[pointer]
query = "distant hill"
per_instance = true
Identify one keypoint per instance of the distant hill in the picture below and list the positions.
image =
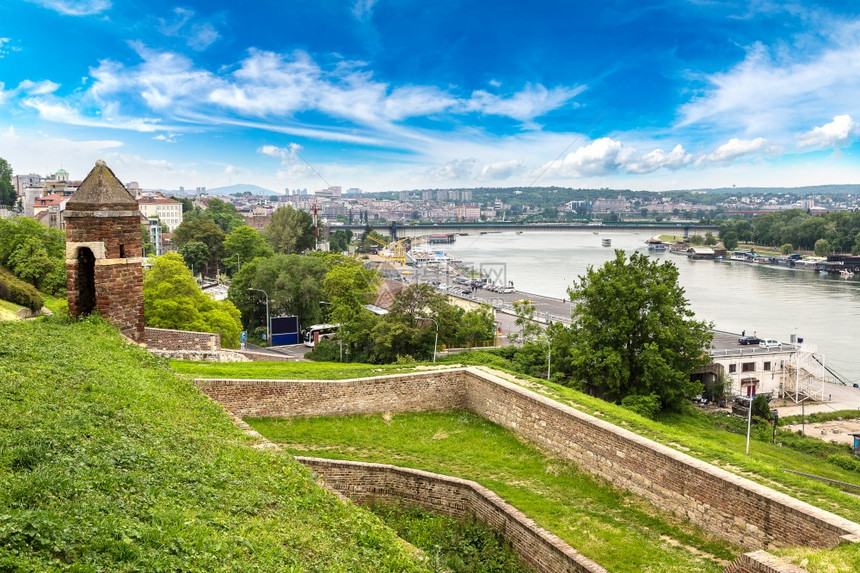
(242, 188)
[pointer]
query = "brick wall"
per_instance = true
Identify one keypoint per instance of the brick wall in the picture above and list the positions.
(166, 339)
(761, 562)
(455, 497)
(727, 505)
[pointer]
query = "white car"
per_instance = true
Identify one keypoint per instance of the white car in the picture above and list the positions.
(770, 343)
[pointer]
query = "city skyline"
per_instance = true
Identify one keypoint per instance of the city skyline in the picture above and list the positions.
(386, 95)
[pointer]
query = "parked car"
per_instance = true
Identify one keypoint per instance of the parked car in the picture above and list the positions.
(748, 340)
(770, 343)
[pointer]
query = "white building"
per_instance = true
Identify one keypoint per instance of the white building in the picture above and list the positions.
(168, 211)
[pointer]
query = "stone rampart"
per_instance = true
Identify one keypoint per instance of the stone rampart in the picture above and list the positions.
(363, 482)
(166, 339)
(727, 505)
(761, 562)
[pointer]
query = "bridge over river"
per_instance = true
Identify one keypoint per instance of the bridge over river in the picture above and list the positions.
(400, 231)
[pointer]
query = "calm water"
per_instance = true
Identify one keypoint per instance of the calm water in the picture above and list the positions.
(774, 302)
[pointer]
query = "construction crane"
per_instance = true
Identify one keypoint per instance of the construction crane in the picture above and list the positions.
(393, 251)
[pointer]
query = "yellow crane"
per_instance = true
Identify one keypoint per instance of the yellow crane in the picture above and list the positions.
(393, 251)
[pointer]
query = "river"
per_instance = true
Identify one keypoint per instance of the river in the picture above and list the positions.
(773, 302)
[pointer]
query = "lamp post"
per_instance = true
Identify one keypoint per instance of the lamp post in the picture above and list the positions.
(436, 341)
(268, 326)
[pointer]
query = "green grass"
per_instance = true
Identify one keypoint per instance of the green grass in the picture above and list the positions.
(616, 529)
(454, 545)
(283, 370)
(110, 462)
(9, 310)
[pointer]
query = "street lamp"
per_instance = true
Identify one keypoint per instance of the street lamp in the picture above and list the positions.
(436, 341)
(268, 326)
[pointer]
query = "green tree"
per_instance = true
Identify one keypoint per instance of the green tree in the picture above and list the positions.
(710, 240)
(173, 299)
(339, 240)
(529, 328)
(786, 249)
(28, 239)
(146, 239)
(634, 333)
(290, 231)
(242, 245)
(7, 190)
(822, 248)
(196, 255)
(205, 232)
(761, 408)
(730, 239)
(475, 326)
(223, 214)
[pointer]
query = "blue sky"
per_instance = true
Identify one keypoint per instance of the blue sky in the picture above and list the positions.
(405, 94)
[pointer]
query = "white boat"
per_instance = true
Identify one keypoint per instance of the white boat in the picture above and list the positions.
(607, 242)
(845, 273)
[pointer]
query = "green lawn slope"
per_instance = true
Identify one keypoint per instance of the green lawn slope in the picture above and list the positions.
(111, 462)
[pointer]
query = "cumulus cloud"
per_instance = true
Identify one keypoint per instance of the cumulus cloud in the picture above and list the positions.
(456, 170)
(602, 156)
(838, 133)
(735, 148)
(285, 154)
(76, 7)
(654, 160)
(501, 170)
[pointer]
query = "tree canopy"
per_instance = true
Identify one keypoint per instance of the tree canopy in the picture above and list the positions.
(34, 253)
(290, 231)
(173, 299)
(7, 190)
(242, 245)
(633, 331)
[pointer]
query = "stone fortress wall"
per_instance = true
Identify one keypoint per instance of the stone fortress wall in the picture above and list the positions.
(727, 505)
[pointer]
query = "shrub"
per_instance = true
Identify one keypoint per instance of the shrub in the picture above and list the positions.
(15, 290)
(761, 408)
(325, 351)
(850, 463)
(646, 406)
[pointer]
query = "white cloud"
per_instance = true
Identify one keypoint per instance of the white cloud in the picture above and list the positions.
(838, 133)
(735, 148)
(654, 160)
(455, 170)
(38, 88)
(532, 102)
(5, 47)
(287, 155)
(76, 7)
(198, 35)
(599, 157)
(61, 112)
(776, 88)
(363, 9)
(501, 170)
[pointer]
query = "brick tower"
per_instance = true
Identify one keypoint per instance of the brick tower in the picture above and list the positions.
(103, 252)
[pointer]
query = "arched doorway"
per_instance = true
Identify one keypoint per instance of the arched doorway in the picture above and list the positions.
(86, 281)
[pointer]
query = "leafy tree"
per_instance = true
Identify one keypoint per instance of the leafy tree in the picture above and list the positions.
(339, 240)
(202, 231)
(730, 239)
(529, 328)
(822, 248)
(290, 231)
(146, 239)
(196, 254)
(7, 190)
(187, 204)
(634, 333)
(173, 299)
(761, 408)
(223, 214)
(786, 249)
(475, 326)
(243, 245)
(30, 262)
(25, 244)
(710, 240)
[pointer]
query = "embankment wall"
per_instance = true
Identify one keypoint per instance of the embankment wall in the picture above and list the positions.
(363, 483)
(727, 505)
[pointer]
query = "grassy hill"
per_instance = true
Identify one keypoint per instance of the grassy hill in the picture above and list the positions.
(111, 462)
